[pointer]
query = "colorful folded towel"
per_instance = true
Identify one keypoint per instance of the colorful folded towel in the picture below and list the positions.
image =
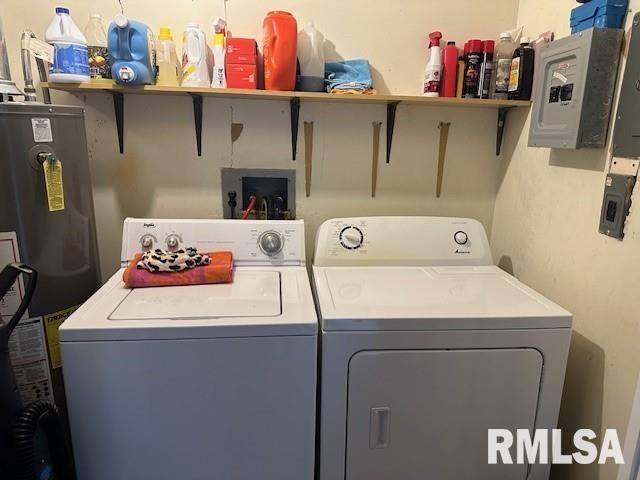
(219, 270)
(348, 75)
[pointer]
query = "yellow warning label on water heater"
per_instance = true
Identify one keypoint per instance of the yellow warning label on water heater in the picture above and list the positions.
(53, 180)
(52, 323)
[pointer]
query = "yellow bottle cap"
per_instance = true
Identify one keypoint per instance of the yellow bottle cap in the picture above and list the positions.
(165, 33)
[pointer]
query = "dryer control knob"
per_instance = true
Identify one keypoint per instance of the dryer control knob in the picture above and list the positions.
(461, 237)
(147, 242)
(351, 237)
(271, 243)
(173, 242)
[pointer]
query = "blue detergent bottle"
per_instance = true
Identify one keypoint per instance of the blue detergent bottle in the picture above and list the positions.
(132, 50)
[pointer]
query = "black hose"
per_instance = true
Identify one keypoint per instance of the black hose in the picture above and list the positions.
(44, 416)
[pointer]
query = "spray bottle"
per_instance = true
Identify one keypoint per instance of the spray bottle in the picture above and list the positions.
(433, 70)
(219, 79)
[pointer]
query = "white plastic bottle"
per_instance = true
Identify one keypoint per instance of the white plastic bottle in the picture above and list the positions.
(169, 69)
(311, 58)
(433, 70)
(195, 70)
(71, 56)
(502, 59)
(219, 77)
(96, 35)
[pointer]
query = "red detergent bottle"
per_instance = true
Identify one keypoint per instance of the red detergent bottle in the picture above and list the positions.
(279, 50)
(449, 70)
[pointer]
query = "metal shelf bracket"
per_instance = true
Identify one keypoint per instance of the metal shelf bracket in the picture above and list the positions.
(502, 121)
(391, 123)
(118, 106)
(295, 120)
(197, 117)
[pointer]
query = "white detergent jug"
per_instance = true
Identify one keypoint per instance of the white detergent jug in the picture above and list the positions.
(71, 58)
(195, 66)
(311, 58)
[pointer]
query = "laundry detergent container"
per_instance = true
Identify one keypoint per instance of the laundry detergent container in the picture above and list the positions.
(279, 50)
(600, 14)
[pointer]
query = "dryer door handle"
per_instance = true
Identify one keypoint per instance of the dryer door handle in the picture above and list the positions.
(380, 427)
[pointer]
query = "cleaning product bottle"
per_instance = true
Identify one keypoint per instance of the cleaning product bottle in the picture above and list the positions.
(195, 71)
(462, 68)
(449, 70)
(71, 57)
(96, 35)
(219, 77)
(472, 70)
(486, 72)
(311, 58)
(168, 65)
(503, 58)
(433, 70)
(133, 52)
(279, 50)
(521, 76)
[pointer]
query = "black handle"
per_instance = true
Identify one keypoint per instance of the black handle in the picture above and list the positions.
(8, 277)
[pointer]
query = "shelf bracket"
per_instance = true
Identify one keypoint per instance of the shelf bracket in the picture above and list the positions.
(502, 121)
(391, 123)
(295, 120)
(118, 106)
(197, 117)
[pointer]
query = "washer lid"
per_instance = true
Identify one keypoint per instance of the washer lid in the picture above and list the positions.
(252, 294)
(261, 302)
(435, 298)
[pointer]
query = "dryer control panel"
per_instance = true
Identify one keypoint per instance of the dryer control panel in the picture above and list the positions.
(252, 242)
(424, 241)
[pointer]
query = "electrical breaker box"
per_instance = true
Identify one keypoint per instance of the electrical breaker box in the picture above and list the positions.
(574, 90)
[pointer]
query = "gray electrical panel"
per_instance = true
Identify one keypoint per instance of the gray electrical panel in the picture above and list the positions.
(626, 134)
(574, 90)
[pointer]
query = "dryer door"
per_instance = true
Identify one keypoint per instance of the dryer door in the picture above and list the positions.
(424, 414)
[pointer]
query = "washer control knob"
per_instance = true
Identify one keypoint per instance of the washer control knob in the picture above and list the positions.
(173, 242)
(271, 243)
(147, 242)
(461, 238)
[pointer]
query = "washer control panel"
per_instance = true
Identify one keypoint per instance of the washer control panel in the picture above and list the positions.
(252, 242)
(402, 241)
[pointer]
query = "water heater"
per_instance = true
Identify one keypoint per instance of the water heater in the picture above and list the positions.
(46, 221)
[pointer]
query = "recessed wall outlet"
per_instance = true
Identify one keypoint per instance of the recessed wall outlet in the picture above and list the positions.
(273, 190)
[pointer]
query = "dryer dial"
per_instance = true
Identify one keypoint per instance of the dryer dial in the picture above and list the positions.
(351, 237)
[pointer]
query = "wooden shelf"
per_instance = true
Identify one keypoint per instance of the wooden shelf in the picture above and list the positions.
(278, 95)
(294, 98)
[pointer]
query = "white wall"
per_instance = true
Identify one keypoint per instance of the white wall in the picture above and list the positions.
(160, 174)
(546, 222)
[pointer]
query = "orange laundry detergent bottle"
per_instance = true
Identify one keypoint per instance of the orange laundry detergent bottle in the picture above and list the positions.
(279, 50)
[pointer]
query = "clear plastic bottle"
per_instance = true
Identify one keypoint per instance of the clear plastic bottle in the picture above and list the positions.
(503, 57)
(99, 64)
(169, 68)
(71, 57)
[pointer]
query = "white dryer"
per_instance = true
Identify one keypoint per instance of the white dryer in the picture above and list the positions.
(198, 382)
(425, 346)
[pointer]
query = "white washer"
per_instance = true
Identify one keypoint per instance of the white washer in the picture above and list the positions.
(425, 346)
(198, 382)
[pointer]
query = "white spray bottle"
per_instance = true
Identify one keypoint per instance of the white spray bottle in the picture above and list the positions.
(219, 79)
(433, 70)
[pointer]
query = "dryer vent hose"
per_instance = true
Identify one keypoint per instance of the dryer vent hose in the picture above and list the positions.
(41, 417)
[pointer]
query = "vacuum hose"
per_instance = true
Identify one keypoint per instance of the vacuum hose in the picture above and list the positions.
(35, 420)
